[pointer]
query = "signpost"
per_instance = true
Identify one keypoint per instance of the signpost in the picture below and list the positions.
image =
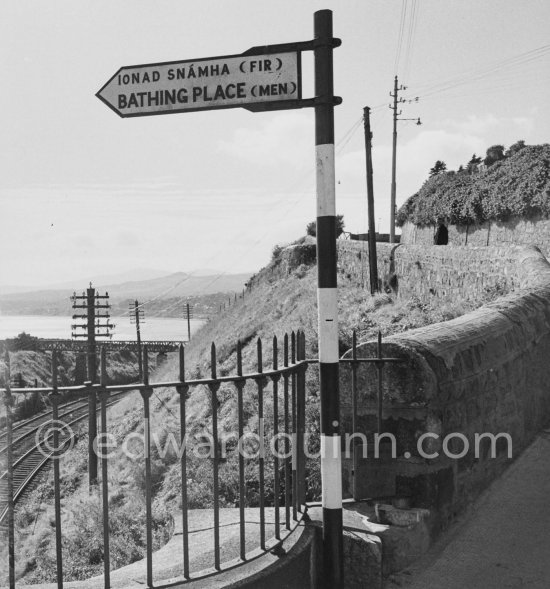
(263, 79)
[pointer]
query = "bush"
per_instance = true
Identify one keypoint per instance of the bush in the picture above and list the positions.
(83, 540)
(311, 228)
(23, 341)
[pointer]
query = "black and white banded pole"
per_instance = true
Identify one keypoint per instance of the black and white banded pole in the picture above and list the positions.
(327, 299)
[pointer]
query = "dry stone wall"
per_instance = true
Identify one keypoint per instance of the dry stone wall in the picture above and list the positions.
(441, 271)
(525, 232)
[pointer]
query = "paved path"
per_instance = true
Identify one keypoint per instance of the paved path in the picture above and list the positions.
(504, 543)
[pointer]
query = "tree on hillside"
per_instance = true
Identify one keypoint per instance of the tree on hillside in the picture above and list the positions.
(311, 228)
(438, 168)
(23, 341)
(515, 148)
(495, 153)
(473, 163)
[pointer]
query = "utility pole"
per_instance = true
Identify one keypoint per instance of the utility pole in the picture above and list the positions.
(396, 89)
(189, 315)
(137, 317)
(373, 262)
(396, 100)
(96, 313)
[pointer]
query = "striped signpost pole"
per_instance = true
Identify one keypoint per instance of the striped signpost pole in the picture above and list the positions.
(327, 300)
(264, 78)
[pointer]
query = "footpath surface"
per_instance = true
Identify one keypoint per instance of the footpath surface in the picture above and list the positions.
(504, 542)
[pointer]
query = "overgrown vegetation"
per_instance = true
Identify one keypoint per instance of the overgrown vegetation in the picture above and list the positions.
(515, 183)
(82, 524)
(23, 341)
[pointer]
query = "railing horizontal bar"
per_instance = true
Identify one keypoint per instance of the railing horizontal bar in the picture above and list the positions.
(169, 384)
(196, 382)
(204, 381)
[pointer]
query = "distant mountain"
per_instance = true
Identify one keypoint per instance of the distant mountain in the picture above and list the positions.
(98, 281)
(10, 289)
(179, 284)
(127, 276)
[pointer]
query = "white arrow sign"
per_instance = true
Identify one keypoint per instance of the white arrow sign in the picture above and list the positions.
(257, 82)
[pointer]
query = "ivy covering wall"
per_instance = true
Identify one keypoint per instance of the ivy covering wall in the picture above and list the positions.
(516, 186)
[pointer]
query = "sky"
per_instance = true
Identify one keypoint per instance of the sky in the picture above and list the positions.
(84, 192)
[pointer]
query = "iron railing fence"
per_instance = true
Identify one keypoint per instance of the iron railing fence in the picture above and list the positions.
(277, 396)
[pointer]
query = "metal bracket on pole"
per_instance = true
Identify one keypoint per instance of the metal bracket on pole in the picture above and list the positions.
(329, 100)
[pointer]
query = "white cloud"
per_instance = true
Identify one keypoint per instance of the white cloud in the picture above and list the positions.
(286, 138)
(474, 124)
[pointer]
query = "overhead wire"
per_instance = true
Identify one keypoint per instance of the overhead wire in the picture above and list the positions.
(476, 74)
(400, 35)
(413, 20)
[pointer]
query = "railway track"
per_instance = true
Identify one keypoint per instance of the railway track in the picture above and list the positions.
(32, 446)
(23, 426)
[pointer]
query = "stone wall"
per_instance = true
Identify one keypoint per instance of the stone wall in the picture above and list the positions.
(411, 270)
(441, 271)
(534, 231)
(487, 372)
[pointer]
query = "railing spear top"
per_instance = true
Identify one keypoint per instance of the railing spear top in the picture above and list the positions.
(145, 366)
(103, 366)
(354, 345)
(239, 358)
(260, 360)
(213, 360)
(8, 364)
(7, 384)
(380, 344)
(293, 347)
(275, 354)
(54, 370)
(285, 350)
(182, 362)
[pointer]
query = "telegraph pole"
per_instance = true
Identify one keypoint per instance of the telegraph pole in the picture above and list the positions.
(396, 100)
(93, 326)
(396, 90)
(136, 315)
(373, 262)
(189, 315)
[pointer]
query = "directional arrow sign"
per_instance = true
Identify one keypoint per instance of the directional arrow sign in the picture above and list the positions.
(266, 81)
